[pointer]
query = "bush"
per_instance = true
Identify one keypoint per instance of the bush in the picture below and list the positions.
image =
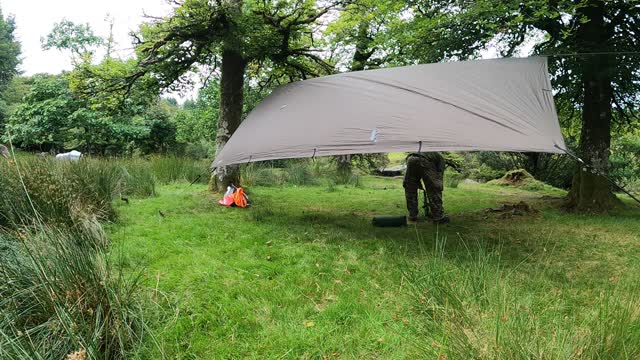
(299, 173)
(138, 178)
(452, 178)
(60, 293)
(259, 174)
(625, 161)
(553, 169)
(199, 150)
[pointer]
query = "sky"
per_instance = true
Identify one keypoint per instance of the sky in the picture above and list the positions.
(36, 18)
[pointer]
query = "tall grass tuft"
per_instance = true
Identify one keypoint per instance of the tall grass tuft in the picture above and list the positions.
(473, 307)
(168, 169)
(138, 178)
(59, 294)
(299, 173)
(60, 193)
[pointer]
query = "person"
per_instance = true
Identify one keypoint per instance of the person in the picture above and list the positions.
(427, 167)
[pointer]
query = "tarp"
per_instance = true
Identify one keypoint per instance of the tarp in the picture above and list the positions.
(494, 105)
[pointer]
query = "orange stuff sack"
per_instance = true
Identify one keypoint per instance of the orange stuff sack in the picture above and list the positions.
(239, 198)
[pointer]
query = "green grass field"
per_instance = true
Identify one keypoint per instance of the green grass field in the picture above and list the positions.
(303, 274)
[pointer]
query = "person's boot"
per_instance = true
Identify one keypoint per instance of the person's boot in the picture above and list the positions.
(444, 219)
(412, 220)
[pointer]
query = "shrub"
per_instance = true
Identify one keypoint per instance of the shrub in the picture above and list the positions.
(260, 174)
(138, 178)
(452, 179)
(553, 169)
(298, 173)
(199, 150)
(625, 161)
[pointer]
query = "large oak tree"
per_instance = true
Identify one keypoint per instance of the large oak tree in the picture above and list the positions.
(593, 48)
(231, 38)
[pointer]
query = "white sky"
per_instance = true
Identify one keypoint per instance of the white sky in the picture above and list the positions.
(35, 19)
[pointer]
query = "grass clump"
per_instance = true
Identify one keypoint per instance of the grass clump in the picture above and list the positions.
(452, 179)
(60, 294)
(520, 179)
(61, 193)
(168, 169)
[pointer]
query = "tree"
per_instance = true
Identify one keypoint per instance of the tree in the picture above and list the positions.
(79, 39)
(359, 40)
(232, 37)
(9, 61)
(39, 121)
(53, 118)
(602, 78)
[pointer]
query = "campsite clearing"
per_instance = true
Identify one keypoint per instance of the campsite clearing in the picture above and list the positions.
(303, 274)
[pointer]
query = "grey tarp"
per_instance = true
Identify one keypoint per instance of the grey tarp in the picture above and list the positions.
(499, 105)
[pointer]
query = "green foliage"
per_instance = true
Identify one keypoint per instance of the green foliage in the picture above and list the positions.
(9, 50)
(161, 131)
(452, 178)
(77, 38)
(362, 37)
(60, 293)
(9, 60)
(625, 161)
(52, 117)
(555, 170)
(41, 120)
(168, 169)
(197, 120)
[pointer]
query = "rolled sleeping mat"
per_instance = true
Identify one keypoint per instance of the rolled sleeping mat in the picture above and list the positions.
(389, 221)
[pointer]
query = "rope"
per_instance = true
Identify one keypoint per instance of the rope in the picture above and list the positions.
(596, 172)
(593, 53)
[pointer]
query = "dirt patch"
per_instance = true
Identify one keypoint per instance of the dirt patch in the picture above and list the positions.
(507, 211)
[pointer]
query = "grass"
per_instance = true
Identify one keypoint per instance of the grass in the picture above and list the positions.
(303, 274)
(61, 296)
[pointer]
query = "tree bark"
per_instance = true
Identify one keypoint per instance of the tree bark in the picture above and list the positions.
(343, 168)
(362, 54)
(230, 116)
(589, 191)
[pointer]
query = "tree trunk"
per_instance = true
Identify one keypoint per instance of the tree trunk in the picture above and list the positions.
(343, 168)
(591, 192)
(361, 55)
(231, 103)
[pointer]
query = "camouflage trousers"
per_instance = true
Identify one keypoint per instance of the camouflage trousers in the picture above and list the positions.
(432, 173)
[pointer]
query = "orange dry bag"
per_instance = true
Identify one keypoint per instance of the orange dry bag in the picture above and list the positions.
(239, 198)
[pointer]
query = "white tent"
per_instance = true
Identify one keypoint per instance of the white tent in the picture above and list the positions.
(499, 105)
